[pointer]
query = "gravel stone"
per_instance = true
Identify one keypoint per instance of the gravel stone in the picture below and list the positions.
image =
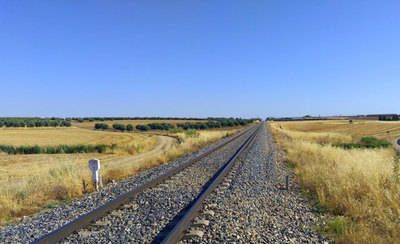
(252, 209)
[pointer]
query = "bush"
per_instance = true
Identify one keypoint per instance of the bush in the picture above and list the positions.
(66, 123)
(214, 123)
(192, 133)
(211, 123)
(338, 225)
(372, 142)
(143, 127)
(101, 126)
(161, 126)
(28, 150)
(177, 130)
(8, 149)
(366, 142)
(129, 127)
(101, 148)
(54, 149)
(155, 126)
(120, 127)
(33, 122)
(389, 117)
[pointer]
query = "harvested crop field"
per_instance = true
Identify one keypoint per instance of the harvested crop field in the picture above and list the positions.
(389, 130)
(68, 136)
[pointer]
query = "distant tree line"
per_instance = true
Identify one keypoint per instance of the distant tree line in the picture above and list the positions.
(101, 148)
(389, 117)
(210, 124)
(306, 117)
(91, 119)
(220, 123)
(217, 123)
(34, 122)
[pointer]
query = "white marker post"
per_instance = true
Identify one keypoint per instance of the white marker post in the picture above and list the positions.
(94, 166)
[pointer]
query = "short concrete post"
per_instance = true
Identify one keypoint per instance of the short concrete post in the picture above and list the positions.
(94, 166)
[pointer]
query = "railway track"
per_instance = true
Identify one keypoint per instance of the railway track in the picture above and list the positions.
(162, 209)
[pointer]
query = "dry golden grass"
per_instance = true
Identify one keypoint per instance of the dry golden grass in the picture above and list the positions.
(358, 184)
(90, 125)
(389, 130)
(30, 182)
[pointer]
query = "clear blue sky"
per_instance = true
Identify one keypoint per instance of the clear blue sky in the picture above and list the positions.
(199, 58)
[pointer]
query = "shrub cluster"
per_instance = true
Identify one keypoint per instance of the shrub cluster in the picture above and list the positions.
(389, 117)
(143, 127)
(161, 126)
(210, 124)
(91, 119)
(366, 142)
(192, 133)
(217, 123)
(155, 126)
(129, 127)
(34, 122)
(101, 126)
(120, 127)
(101, 148)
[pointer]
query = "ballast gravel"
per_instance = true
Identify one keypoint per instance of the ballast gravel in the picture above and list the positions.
(253, 205)
(143, 219)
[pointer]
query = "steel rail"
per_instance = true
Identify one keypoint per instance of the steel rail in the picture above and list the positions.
(101, 211)
(177, 232)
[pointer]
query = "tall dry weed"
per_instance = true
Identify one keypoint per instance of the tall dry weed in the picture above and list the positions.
(357, 184)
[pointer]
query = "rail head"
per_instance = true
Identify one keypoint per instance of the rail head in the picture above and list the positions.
(177, 232)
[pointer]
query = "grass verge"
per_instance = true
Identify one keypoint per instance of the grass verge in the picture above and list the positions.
(358, 186)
